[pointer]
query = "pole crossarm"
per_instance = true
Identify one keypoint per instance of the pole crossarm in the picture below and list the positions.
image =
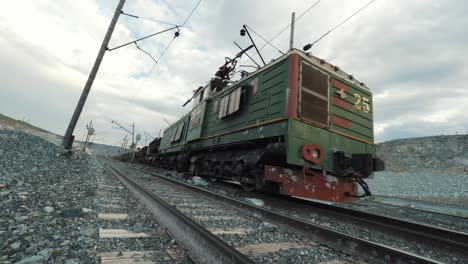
(135, 41)
(122, 127)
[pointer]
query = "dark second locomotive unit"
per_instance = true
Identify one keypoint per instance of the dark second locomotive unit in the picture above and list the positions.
(299, 126)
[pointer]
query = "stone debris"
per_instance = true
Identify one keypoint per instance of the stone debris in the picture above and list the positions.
(89, 232)
(425, 185)
(255, 201)
(438, 153)
(72, 212)
(36, 181)
(49, 209)
(267, 227)
(41, 257)
(198, 181)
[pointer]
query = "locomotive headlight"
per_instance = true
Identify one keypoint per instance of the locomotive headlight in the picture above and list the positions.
(316, 154)
(312, 153)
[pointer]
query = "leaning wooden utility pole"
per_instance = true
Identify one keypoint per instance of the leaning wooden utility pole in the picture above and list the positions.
(68, 137)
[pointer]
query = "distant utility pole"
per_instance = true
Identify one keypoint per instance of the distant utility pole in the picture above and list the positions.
(68, 137)
(131, 133)
(146, 137)
(89, 133)
(291, 38)
(124, 143)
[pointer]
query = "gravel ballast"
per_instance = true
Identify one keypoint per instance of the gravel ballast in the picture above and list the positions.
(49, 205)
(301, 211)
(425, 185)
(211, 213)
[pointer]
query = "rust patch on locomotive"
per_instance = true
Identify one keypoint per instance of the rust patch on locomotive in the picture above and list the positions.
(341, 103)
(341, 122)
(340, 85)
(306, 184)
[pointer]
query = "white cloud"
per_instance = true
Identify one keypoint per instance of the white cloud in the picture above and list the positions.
(409, 53)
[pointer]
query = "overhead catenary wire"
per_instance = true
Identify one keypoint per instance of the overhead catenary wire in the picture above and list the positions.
(266, 41)
(191, 13)
(246, 54)
(165, 49)
(288, 26)
(138, 47)
(152, 68)
(308, 46)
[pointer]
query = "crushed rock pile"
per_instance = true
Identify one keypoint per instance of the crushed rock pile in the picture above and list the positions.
(425, 185)
(42, 193)
(441, 153)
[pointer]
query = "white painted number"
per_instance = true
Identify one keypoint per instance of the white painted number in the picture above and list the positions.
(342, 94)
(362, 103)
(365, 103)
(357, 104)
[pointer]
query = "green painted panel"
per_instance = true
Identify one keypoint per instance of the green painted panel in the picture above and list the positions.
(263, 131)
(354, 132)
(351, 116)
(302, 133)
(268, 103)
(350, 99)
(167, 144)
(196, 122)
(354, 89)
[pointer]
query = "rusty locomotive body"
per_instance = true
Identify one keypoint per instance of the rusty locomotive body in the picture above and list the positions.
(299, 126)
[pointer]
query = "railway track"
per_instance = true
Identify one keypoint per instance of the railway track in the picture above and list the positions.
(240, 230)
(352, 245)
(433, 242)
(440, 240)
(423, 206)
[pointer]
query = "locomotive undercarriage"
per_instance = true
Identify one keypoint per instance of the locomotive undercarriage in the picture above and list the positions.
(243, 163)
(261, 165)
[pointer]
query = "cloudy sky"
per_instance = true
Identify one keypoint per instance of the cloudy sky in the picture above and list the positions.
(412, 54)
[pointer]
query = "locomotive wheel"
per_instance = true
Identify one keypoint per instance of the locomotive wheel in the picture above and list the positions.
(216, 171)
(248, 187)
(247, 181)
(213, 178)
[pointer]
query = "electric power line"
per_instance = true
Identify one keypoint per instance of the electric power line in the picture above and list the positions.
(191, 13)
(152, 68)
(308, 46)
(138, 47)
(288, 26)
(165, 49)
(266, 41)
(170, 43)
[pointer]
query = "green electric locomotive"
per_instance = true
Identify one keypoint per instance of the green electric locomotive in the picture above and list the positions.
(299, 126)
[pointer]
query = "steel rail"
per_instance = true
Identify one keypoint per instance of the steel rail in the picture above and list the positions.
(202, 246)
(451, 240)
(461, 217)
(370, 251)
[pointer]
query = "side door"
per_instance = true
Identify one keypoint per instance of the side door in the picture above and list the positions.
(196, 121)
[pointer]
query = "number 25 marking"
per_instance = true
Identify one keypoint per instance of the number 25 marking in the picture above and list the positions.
(365, 103)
